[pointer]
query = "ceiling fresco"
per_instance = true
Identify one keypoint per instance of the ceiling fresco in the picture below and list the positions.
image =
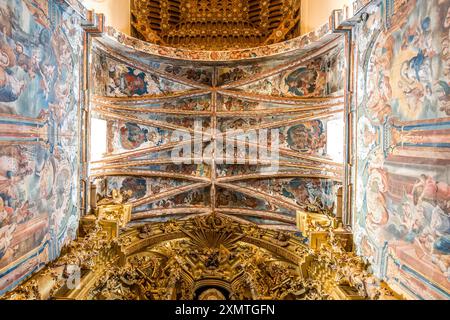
(250, 138)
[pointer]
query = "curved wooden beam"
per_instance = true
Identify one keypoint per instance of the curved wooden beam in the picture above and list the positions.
(275, 227)
(283, 163)
(266, 215)
(169, 193)
(154, 110)
(298, 155)
(277, 175)
(335, 170)
(118, 116)
(240, 220)
(170, 211)
(297, 101)
(251, 192)
(206, 160)
(187, 217)
(274, 111)
(283, 123)
(143, 163)
(293, 154)
(145, 151)
(182, 217)
(150, 174)
(150, 99)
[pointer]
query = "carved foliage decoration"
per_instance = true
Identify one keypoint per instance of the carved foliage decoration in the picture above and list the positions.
(173, 260)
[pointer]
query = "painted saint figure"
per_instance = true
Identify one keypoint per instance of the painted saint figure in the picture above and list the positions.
(130, 83)
(427, 189)
(132, 136)
(307, 138)
(302, 82)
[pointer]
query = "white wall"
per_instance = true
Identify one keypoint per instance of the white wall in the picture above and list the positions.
(117, 12)
(315, 13)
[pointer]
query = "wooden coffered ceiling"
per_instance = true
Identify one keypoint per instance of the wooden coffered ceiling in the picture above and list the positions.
(215, 24)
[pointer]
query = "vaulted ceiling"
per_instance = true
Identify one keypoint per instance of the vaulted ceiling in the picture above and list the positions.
(215, 24)
(145, 99)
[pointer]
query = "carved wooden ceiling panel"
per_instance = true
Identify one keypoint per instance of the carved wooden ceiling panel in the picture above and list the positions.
(215, 24)
(156, 108)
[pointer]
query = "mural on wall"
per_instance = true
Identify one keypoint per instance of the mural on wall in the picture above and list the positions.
(40, 52)
(403, 193)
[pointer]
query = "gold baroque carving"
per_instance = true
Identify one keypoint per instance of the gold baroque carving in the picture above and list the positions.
(211, 249)
(215, 24)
